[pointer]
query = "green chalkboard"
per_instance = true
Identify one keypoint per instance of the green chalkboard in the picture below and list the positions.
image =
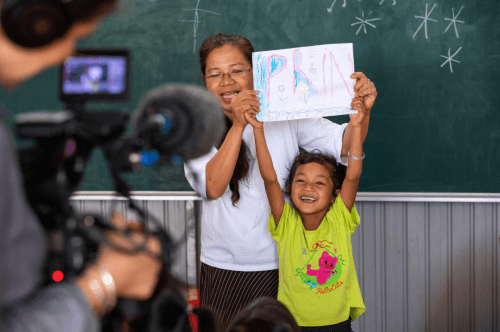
(435, 126)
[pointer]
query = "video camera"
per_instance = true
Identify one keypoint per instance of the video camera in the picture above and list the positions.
(172, 120)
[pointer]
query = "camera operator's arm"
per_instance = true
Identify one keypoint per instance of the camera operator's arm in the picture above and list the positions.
(134, 276)
(24, 305)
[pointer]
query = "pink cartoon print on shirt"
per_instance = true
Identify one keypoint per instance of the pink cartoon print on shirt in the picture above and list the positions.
(326, 264)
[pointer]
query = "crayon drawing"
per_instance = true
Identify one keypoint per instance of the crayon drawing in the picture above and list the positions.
(304, 82)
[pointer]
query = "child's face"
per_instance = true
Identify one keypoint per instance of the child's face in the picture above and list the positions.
(312, 189)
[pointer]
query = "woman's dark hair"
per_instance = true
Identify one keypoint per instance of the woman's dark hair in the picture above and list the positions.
(242, 164)
(337, 170)
(219, 40)
(265, 314)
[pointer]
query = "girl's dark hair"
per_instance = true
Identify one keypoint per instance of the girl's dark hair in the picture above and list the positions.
(265, 314)
(242, 164)
(337, 170)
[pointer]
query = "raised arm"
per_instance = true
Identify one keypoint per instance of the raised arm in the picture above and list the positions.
(353, 173)
(273, 188)
(366, 89)
(220, 168)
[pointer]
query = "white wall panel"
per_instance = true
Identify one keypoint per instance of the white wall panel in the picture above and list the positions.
(425, 262)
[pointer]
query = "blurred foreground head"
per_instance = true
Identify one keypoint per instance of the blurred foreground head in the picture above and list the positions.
(39, 34)
(264, 315)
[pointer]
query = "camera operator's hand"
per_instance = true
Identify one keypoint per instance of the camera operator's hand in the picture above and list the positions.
(135, 275)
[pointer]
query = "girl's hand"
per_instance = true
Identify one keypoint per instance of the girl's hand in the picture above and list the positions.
(364, 88)
(245, 101)
(250, 116)
(359, 105)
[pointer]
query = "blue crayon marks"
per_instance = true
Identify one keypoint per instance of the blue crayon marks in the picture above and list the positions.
(277, 63)
(303, 87)
(260, 81)
(264, 69)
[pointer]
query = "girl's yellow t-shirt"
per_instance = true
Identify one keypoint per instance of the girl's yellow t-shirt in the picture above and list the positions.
(317, 277)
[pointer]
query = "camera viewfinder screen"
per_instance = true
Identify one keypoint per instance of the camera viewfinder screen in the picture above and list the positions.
(84, 75)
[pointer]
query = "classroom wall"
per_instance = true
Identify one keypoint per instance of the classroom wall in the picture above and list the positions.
(425, 262)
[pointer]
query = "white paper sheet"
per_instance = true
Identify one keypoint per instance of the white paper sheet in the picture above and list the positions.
(304, 82)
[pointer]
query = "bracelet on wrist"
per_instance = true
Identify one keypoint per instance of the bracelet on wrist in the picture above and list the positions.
(97, 289)
(109, 284)
(355, 158)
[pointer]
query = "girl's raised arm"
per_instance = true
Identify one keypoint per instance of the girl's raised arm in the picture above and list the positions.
(273, 188)
(353, 173)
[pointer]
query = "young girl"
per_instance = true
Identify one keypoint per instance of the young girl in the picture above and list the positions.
(317, 277)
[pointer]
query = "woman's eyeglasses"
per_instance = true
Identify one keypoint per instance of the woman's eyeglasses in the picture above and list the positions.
(236, 74)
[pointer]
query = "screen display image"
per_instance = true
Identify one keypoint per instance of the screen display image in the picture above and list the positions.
(94, 75)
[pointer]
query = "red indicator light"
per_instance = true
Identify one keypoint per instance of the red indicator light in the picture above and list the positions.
(57, 276)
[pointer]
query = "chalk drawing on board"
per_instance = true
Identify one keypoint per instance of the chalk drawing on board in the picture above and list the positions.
(292, 84)
(381, 2)
(425, 19)
(449, 58)
(454, 21)
(331, 7)
(333, 3)
(196, 21)
(363, 22)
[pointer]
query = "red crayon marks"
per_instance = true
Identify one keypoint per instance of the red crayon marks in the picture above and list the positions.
(297, 61)
(352, 65)
(273, 70)
(324, 79)
(332, 58)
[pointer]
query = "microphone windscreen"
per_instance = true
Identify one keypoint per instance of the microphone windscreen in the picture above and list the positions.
(179, 119)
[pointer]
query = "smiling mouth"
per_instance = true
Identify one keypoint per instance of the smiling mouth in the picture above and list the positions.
(229, 96)
(308, 199)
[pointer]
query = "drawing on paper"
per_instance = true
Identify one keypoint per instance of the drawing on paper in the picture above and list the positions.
(454, 21)
(196, 21)
(305, 82)
(425, 19)
(449, 58)
(363, 22)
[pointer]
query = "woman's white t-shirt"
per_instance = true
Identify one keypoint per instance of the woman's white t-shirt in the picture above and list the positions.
(237, 238)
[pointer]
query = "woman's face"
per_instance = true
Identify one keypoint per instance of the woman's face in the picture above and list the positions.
(226, 60)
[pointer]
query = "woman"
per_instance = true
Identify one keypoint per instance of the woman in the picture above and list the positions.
(239, 259)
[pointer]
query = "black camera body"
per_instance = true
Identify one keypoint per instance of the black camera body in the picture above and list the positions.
(171, 120)
(53, 167)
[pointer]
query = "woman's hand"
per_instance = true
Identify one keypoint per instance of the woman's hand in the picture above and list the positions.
(364, 88)
(244, 102)
(359, 105)
(250, 117)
